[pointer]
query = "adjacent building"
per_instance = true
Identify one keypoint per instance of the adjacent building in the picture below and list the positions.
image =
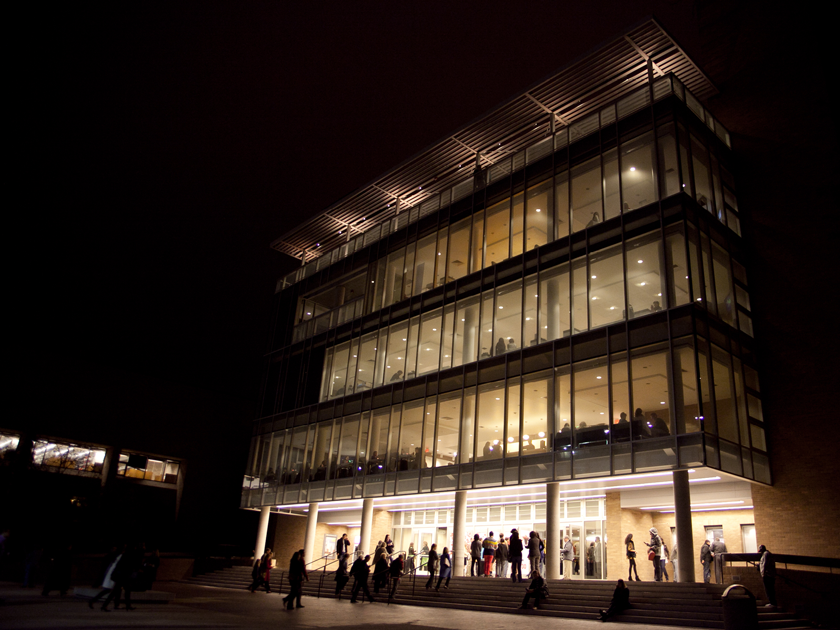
(541, 322)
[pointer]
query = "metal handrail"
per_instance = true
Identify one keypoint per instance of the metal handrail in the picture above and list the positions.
(808, 561)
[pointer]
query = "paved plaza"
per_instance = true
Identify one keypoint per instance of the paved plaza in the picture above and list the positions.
(207, 607)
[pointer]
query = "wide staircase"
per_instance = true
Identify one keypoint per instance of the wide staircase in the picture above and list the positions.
(662, 603)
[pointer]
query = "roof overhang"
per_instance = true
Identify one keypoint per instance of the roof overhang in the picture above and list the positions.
(577, 90)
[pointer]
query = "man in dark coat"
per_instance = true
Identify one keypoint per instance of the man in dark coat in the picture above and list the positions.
(297, 574)
(360, 571)
(515, 556)
(706, 561)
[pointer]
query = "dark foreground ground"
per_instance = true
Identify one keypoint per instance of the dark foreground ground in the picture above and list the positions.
(204, 607)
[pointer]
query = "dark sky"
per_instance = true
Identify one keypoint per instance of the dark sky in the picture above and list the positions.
(176, 140)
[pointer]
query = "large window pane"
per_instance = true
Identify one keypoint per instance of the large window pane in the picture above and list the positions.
(367, 361)
(563, 408)
(424, 263)
(724, 400)
(620, 425)
(394, 278)
(649, 367)
(410, 452)
(408, 272)
(491, 416)
(612, 198)
(529, 323)
(723, 285)
(638, 178)
(517, 225)
(448, 324)
(606, 286)
(381, 357)
(321, 451)
(686, 403)
(669, 181)
(684, 164)
(695, 272)
(586, 194)
(555, 309)
(466, 331)
(459, 247)
(707, 418)
(352, 362)
(411, 352)
(378, 441)
(467, 454)
(489, 346)
(538, 228)
(440, 257)
(430, 332)
(326, 374)
(561, 204)
(338, 379)
(477, 249)
(508, 317)
(645, 275)
(702, 184)
(395, 362)
(580, 303)
(392, 457)
(709, 294)
(537, 413)
(513, 442)
(347, 450)
(718, 190)
(677, 265)
(592, 402)
(498, 233)
(448, 424)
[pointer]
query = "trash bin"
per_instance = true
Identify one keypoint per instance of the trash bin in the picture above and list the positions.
(739, 612)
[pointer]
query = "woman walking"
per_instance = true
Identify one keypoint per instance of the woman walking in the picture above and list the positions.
(445, 568)
(432, 566)
(631, 557)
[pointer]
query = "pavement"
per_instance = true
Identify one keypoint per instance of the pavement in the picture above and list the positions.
(198, 607)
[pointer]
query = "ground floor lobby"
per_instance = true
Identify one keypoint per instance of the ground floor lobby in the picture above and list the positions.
(596, 514)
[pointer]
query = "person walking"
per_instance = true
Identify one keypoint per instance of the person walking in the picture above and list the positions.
(706, 561)
(380, 568)
(445, 569)
(396, 571)
(256, 576)
(389, 544)
(128, 565)
(410, 560)
(107, 581)
(515, 556)
(718, 548)
(489, 546)
(360, 572)
(537, 590)
(654, 553)
(630, 547)
(432, 566)
(341, 576)
(297, 576)
(568, 558)
(475, 556)
(620, 601)
(663, 562)
(502, 554)
(767, 568)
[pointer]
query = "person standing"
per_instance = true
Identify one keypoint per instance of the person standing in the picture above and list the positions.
(655, 547)
(706, 561)
(502, 554)
(630, 547)
(389, 544)
(360, 572)
(675, 561)
(718, 548)
(767, 568)
(568, 557)
(107, 581)
(534, 551)
(475, 556)
(432, 566)
(599, 554)
(342, 547)
(410, 559)
(515, 556)
(489, 546)
(445, 568)
(663, 562)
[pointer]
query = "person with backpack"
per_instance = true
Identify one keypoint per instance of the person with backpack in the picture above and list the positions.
(537, 589)
(515, 556)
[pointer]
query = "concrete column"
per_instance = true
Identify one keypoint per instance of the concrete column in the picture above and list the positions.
(685, 537)
(553, 535)
(459, 532)
(311, 525)
(367, 525)
(262, 532)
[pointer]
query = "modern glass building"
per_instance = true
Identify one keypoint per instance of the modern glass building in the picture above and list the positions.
(542, 321)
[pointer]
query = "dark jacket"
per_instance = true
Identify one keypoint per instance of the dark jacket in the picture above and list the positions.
(502, 552)
(360, 570)
(397, 567)
(620, 598)
(537, 586)
(475, 549)
(515, 545)
(433, 561)
(705, 554)
(445, 565)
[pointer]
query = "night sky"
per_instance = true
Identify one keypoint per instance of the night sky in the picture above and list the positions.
(166, 144)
